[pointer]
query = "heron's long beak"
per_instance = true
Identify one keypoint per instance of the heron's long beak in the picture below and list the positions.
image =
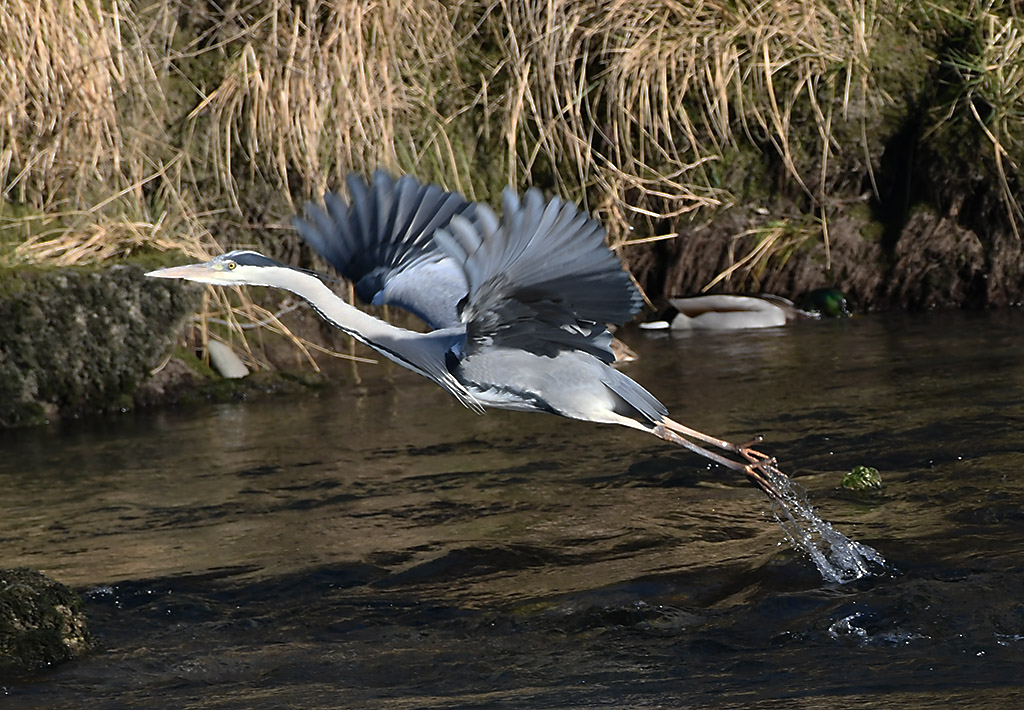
(205, 272)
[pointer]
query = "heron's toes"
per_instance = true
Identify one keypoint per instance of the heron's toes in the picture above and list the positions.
(759, 473)
(755, 457)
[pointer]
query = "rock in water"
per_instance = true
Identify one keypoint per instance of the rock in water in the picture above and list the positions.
(225, 362)
(41, 622)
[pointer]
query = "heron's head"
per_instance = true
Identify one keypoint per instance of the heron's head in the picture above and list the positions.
(236, 268)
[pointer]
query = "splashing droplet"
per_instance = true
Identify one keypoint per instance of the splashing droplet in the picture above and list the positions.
(838, 558)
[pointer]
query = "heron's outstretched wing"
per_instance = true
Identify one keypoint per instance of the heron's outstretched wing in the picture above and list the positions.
(381, 239)
(542, 279)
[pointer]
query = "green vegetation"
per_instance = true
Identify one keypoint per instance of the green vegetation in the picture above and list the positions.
(862, 478)
(42, 622)
(77, 339)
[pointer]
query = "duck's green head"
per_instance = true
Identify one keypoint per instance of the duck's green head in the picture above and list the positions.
(829, 302)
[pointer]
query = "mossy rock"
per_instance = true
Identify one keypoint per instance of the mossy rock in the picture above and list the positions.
(81, 339)
(861, 479)
(41, 622)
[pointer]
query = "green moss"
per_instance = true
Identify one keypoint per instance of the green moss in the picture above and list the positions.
(42, 622)
(871, 230)
(862, 478)
(745, 172)
(194, 363)
(82, 338)
(19, 223)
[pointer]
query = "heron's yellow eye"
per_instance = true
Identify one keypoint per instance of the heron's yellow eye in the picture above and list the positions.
(231, 265)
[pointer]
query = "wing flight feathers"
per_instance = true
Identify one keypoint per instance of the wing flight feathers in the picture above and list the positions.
(541, 278)
(381, 239)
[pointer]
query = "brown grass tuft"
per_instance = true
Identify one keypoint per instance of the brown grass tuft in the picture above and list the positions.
(310, 92)
(644, 98)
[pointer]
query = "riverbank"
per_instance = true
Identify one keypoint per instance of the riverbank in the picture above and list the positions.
(778, 148)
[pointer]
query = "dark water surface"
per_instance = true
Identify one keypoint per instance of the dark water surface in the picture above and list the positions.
(380, 546)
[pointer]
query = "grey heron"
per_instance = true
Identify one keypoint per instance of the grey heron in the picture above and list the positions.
(518, 304)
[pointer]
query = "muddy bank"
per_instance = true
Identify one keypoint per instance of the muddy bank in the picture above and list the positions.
(932, 262)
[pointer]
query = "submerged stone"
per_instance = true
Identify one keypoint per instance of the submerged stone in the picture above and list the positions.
(862, 478)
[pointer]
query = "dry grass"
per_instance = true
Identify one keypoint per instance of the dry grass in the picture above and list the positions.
(60, 68)
(991, 75)
(627, 104)
(774, 242)
(312, 91)
(83, 143)
(644, 97)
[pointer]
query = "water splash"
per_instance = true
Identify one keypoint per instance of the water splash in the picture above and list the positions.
(838, 558)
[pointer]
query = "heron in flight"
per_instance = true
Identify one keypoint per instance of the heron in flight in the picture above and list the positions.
(518, 305)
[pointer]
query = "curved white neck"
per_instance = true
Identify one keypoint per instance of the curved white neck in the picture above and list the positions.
(423, 353)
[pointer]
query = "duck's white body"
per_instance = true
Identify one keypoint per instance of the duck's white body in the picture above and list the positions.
(728, 312)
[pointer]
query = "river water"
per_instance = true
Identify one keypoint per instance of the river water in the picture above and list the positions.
(377, 545)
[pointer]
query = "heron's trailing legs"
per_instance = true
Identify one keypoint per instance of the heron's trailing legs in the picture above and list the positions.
(744, 450)
(758, 467)
(838, 558)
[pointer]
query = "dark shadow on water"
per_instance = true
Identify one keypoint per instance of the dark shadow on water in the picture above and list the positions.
(340, 641)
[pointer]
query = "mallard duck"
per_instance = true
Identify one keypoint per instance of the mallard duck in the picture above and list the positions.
(729, 312)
